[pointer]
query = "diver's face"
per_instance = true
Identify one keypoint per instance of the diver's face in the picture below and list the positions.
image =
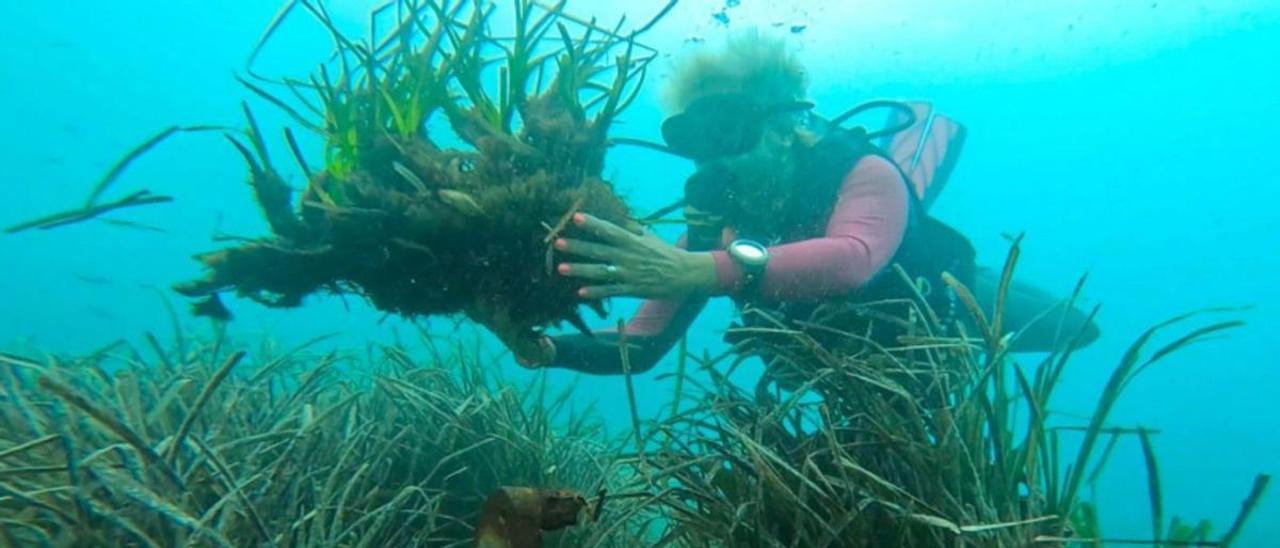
(765, 167)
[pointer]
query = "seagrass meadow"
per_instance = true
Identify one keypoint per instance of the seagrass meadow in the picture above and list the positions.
(454, 152)
(204, 442)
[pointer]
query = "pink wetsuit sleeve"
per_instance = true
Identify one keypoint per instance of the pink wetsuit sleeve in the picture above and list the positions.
(863, 233)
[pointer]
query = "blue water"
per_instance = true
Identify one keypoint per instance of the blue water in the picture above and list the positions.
(1133, 141)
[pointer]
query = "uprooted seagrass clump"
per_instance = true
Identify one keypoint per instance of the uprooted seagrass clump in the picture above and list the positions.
(398, 216)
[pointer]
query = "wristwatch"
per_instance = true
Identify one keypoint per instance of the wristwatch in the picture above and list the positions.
(753, 256)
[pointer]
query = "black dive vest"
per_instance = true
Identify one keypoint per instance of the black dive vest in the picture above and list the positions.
(928, 248)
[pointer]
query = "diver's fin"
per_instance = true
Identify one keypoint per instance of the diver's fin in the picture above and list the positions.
(927, 150)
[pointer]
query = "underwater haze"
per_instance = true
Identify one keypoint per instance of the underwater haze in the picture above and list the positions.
(1132, 141)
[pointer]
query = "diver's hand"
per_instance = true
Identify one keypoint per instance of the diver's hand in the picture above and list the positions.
(540, 353)
(531, 348)
(635, 264)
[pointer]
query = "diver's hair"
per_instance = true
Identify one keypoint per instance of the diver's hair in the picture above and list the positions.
(749, 62)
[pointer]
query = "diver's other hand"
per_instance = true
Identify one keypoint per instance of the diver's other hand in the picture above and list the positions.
(539, 352)
(531, 348)
(635, 264)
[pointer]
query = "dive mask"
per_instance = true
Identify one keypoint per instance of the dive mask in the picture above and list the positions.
(720, 125)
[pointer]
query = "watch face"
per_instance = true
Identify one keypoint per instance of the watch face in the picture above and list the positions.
(749, 253)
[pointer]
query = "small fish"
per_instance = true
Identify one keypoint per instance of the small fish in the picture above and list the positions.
(135, 225)
(92, 279)
(721, 16)
(211, 307)
(460, 201)
(456, 199)
(409, 176)
(797, 29)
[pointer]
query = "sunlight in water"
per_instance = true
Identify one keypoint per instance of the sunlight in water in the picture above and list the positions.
(977, 37)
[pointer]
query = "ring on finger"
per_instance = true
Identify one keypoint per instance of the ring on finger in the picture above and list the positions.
(611, 270)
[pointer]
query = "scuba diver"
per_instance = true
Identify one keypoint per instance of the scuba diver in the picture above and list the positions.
(787, 213)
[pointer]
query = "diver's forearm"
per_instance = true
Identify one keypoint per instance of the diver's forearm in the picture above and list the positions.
(602, 354)
(651, 333)
(862, 234)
